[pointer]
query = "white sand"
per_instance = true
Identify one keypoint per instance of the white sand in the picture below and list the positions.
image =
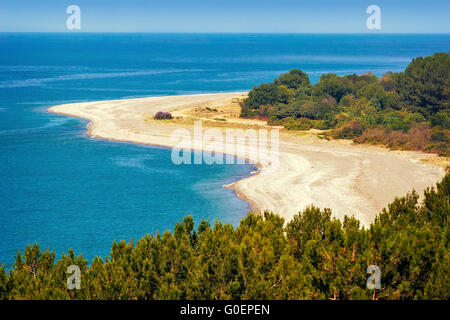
(350, 179)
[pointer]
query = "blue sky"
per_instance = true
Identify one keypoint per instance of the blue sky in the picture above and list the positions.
(274, 16)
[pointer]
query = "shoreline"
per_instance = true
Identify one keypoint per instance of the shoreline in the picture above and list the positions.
(350, 179)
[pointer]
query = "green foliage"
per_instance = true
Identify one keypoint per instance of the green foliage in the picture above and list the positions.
(332, 85)
(439, 136)
(387, 81)
(350, 130)
(287, 86)
(415, 240)
(3, 283)
(441, 119)
(315, 110)
(388, 110)
(262, 96)
(360, 81)
(318, 110)
(379, 97)
(296, 80)
(425, 85)
(313, 256)
(419, 137)
(401, 120)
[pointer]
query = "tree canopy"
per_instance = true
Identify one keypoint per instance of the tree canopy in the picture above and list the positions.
(406, 110)
(425, 84)
(313, 256)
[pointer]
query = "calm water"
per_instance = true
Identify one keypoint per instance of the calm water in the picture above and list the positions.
(63, 189)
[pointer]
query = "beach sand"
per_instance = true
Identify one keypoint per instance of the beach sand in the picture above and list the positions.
(350, 179)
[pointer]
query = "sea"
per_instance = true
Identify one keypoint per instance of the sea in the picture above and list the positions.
(63, 189)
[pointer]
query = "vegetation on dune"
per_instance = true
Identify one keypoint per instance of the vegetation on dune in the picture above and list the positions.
(163, 115)
(406, 110)
(314, 256)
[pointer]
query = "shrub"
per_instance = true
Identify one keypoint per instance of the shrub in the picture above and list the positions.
(264, 94)
(439, 136)
(323, 124)
(298, 124)
(420, 137)
(401, 120)
(3, 283)
(387, 81)
(406, 110)
(442, 119)
(424, 84)
(313, 256)
(162, 115)
(332, 85)
(349, 130)
(296, 80)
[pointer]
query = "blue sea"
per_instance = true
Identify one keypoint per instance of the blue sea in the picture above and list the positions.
(63, 189)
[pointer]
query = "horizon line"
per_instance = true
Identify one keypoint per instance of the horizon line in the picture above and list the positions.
(225, 32)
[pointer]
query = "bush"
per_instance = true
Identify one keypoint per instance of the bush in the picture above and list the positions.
(3, 283)
(162, 115)
(262, 95)
(313, 256)
(297, 124)
(439, 136)
(378, 97)
(401, 120)
(395, 108)
(442, 119)
(387, 81)
(332, 85)
(349, 130)
(323, 124)
(318, 110)
(420, 137)
(295, 79)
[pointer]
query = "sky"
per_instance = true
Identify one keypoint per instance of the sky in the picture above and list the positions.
(234, 16)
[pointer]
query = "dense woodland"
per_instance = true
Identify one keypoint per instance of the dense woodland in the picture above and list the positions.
(406, 110)
(314, 256)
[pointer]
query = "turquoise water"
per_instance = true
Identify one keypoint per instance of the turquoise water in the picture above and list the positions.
(65, 190)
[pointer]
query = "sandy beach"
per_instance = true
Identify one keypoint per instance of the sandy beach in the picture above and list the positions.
(350, 179)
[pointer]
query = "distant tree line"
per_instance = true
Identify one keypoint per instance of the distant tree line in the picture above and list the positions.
(314, 256)
(405, 110)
